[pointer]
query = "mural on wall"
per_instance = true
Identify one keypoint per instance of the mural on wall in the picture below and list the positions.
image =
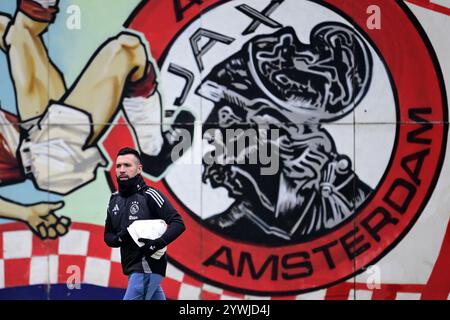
(303, 145)
(310, 84)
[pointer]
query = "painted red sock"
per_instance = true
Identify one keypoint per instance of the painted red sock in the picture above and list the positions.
(144, 87)
(37, 12)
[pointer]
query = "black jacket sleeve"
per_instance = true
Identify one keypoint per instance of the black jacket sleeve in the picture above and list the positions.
(110, 237)
(158, 203)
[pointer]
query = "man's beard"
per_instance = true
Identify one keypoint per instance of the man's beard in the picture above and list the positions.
(130, 185)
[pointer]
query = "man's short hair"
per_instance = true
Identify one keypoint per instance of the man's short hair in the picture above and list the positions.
(128, 150)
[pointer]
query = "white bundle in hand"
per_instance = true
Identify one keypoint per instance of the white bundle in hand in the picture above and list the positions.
(148, 229)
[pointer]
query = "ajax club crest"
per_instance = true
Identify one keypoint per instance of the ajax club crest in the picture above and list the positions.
(336, 129)
(134, 209)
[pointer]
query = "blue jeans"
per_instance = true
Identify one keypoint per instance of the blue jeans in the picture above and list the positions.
(144, 286)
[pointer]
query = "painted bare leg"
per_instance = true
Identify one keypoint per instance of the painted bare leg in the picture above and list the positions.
(35, 77)
(121, 69)
(99, 90)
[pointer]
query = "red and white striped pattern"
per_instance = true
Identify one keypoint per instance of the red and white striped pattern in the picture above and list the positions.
(27, 260)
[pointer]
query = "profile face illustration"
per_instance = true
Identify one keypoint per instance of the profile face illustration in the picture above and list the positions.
(276, 81)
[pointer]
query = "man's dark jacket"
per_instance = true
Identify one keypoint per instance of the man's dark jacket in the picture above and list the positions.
(142, 203)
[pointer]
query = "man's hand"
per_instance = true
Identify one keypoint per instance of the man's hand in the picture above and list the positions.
(124, 235)
(151, 246)
(44, 223)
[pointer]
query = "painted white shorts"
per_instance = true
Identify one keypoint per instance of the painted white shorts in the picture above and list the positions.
(54, 151)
